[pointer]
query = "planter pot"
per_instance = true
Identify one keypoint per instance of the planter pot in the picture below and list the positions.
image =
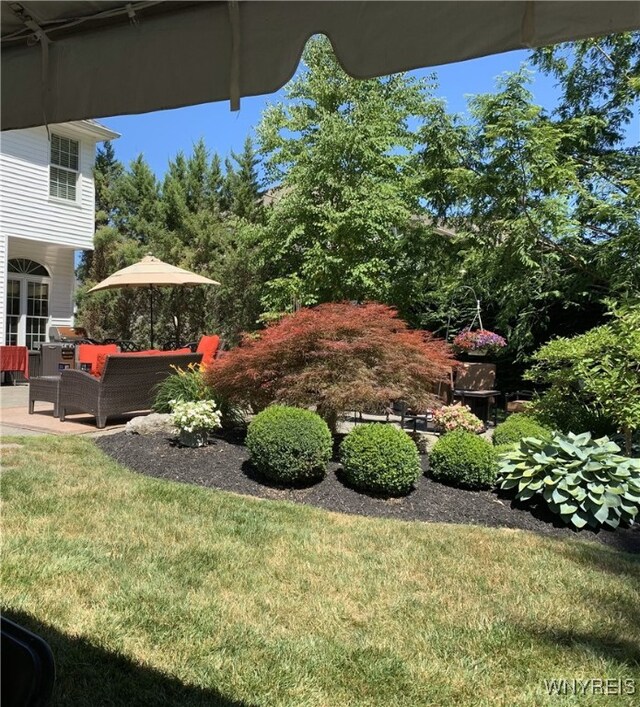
(193, 439)
(478, 352)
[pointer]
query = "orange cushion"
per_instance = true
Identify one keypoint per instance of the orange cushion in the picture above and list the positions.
(208, 347)
(102, 358)
(156, 352)
(89, 355)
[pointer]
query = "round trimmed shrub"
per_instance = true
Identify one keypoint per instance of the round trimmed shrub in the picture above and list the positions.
(289, 445)
(518, 426)
(463, 459)
(380, 458)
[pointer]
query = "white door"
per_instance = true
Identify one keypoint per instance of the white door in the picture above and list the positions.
(28, 293)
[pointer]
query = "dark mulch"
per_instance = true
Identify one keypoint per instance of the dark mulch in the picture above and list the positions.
(225, 465)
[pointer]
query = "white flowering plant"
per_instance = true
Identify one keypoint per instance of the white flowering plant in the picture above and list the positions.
(198, 416)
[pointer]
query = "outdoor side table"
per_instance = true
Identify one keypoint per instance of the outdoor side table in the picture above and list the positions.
(474, 397)
(47, 389)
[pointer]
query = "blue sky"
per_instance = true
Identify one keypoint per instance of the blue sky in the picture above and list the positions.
(160, 135)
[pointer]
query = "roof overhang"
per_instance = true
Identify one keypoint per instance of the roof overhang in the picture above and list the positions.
(69, 60)
(90, 129)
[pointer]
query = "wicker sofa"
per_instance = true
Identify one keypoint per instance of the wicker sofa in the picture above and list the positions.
(127, 384)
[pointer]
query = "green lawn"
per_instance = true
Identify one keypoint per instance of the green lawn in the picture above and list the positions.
(155, 593)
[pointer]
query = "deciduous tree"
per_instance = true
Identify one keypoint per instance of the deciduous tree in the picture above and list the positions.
(336, 357)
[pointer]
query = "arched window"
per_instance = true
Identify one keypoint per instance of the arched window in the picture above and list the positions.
(27, 302)
(24, 266)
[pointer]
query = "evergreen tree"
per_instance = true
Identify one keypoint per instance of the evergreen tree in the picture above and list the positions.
(106, 172)
(138, 213)
(243, 193)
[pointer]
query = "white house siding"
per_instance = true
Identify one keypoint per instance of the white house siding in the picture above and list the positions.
(3, 284)
(34, 225)
(26, 209)
(60, 264)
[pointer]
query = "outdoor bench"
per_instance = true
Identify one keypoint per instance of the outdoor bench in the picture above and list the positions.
(127, 384)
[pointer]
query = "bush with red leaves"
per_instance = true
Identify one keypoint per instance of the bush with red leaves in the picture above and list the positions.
(334, 357)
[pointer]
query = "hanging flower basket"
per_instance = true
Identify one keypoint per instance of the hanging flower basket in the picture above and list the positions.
(478, 342)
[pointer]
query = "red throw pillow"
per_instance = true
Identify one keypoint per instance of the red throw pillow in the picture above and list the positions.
(89, 355)
(208, 347)
(99, 367)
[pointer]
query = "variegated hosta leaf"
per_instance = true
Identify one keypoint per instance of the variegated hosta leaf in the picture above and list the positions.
(584, 481)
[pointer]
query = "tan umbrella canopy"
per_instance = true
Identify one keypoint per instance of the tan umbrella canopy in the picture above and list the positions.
(71, 60)
(151, 272)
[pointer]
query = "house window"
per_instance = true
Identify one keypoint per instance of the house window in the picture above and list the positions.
(63, 172)
(27, 318)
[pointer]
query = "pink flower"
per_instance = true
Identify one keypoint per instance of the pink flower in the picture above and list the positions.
(468, 340)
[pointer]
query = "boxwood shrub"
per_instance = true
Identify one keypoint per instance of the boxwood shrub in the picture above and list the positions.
(517, 427)
(289, 445)
(380, 458)
(463, 459)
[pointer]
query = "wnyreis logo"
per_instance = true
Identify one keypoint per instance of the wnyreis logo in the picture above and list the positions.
(591, 686)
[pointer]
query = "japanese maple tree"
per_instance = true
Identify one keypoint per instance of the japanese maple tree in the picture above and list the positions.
(335, 357)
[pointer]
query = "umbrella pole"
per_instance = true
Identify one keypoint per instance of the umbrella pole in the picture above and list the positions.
(151, 312)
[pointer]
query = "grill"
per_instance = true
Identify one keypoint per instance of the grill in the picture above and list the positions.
(67, 334)
(60, 352)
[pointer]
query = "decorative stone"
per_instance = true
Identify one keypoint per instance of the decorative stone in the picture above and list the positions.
(152, 424)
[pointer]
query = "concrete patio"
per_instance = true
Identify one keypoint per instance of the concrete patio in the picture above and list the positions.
(16, 420)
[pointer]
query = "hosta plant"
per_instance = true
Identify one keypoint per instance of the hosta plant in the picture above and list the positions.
(585, 481)
(456, 417)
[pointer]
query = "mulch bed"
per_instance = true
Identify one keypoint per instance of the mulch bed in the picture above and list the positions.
(225, 465)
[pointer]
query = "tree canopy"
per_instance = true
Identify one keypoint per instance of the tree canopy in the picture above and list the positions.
(373, 191)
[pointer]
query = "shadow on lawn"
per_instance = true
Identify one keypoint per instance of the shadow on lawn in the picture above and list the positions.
(89, 675)
(622, 646)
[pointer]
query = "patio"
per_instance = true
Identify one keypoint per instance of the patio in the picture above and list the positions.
(16, 420)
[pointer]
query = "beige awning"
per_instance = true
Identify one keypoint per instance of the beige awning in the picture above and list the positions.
(151, 272)
(65, 61)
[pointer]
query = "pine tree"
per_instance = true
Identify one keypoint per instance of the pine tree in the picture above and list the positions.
(243, 193)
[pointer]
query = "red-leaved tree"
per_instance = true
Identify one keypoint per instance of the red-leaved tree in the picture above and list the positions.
(336, 357)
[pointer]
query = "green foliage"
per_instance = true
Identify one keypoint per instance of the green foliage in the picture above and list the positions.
(547, 222)
(584, 481)
(568, 409)
(289, 445)
(242, 187)
(598, 371)
(338, 154)
(185, 386)
(189, 386)
(378, 193)
(380, 458)
(464, 459)
(502, 448)
(518, 426)
(598, 76)
(613, 378)
(186, 221)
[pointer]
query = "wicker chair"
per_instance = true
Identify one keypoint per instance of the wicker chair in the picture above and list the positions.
(127, 384)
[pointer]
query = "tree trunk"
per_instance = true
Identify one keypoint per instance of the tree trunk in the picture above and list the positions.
(330, 417)
(628, 440)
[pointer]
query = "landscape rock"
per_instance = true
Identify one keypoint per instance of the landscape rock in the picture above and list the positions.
(155, 423)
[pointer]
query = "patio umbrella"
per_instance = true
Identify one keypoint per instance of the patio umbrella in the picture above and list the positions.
(151, 272)
(68, 59)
